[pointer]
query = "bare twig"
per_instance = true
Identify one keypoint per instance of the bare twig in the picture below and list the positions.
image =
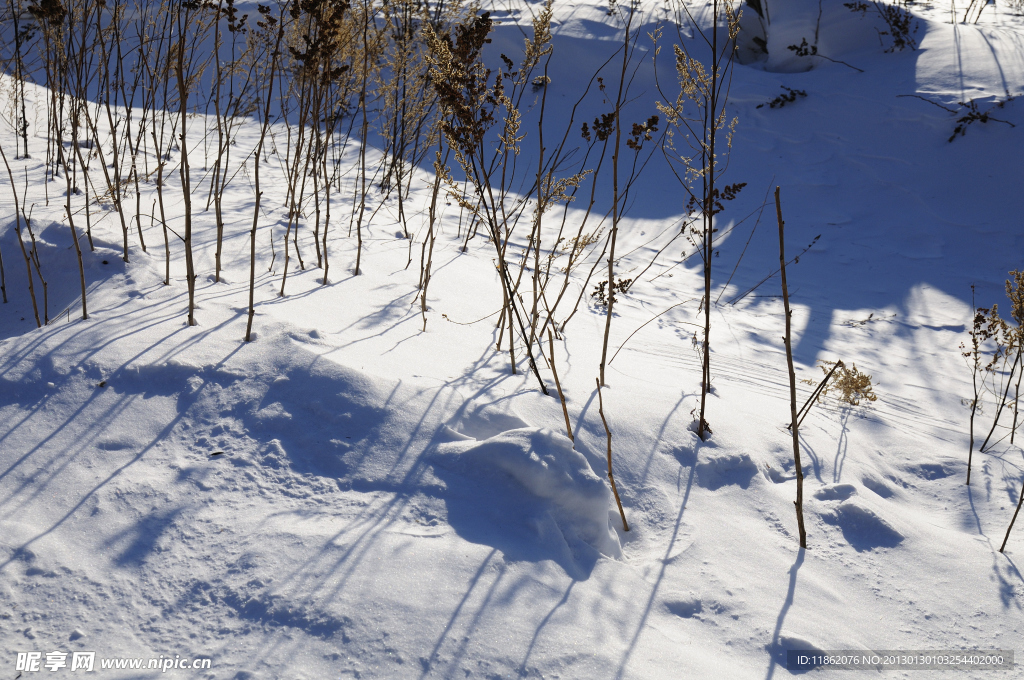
(611, 478)
(799, 502)
(558, 386)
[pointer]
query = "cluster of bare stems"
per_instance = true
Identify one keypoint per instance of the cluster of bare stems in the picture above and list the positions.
(697, 147)
(147, 104)
(851, 387)
(994, 357)
(974, 9)
(138, 94)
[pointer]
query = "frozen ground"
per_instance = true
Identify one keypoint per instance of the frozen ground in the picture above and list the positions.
(349, 496)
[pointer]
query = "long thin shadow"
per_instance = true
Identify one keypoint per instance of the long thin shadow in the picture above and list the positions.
(657, 582)
(959, 58)
(995, 58)
(54, 467)
(85, 327)
(111, 413)
(1013, 565)
(473, 624)
(808, 450)
(774, 650)
(402, 317)
(841, 447)
(974, 510)
(455, 614)
(100, 420)
(42, 443)
(1006, 590)
(659, 435)
(160, 437)
(81, 327)
(544, 622)
(370, 527)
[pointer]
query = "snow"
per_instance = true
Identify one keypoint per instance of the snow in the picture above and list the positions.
(554, 493)
(350, 496)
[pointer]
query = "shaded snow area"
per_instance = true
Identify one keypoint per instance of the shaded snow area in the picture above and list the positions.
(349, 495)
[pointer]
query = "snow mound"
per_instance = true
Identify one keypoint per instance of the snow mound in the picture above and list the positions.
(835, 492)
(930, 471)
(530, 494)
(714, 468)
(684, 605)
(788, 642)
(862, 527)
(878, 486)
(725, 469)
(486, 421)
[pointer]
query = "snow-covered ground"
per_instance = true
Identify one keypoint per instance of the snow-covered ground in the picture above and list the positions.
(350, 496)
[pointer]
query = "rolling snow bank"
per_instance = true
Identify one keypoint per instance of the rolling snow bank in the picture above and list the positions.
(531, 483)
(173, 490)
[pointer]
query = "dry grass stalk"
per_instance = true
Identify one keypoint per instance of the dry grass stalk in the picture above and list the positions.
(799, 502)
(611, 477)
(558, 386)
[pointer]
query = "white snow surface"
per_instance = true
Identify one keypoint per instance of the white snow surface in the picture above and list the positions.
(549, 473)
(350, 496)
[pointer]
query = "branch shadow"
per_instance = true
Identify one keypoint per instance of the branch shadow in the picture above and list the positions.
(620, 673)
(777, 650)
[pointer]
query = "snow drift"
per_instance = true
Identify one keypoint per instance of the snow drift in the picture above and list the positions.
(530, 483)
